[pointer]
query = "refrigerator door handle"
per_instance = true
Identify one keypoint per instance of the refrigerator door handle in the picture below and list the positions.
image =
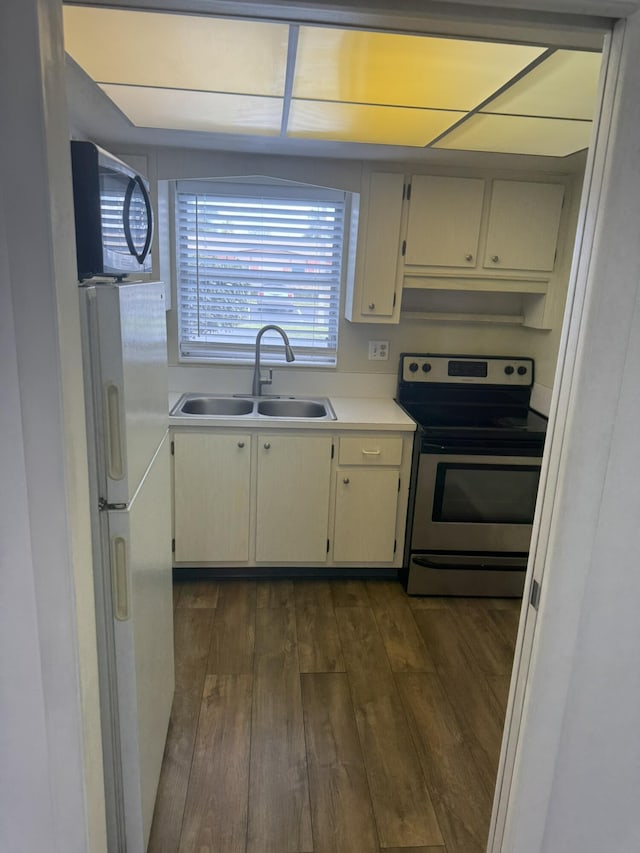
(120, 578)
(115, 460)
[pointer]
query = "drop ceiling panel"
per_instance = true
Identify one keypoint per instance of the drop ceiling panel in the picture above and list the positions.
(220, 75)
(205, 111)
(366, 123)
(417, 71)
(518, 135)
(563, 86)
(177, 51)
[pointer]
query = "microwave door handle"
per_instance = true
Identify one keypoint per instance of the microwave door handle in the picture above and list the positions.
(133, 183)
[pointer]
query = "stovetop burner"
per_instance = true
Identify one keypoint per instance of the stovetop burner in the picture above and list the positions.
(432, 417)
(470, 397)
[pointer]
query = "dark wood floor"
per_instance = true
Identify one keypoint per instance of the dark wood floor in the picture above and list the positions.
(332, 716)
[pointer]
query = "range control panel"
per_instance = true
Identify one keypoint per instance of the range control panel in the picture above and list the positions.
(466, 369)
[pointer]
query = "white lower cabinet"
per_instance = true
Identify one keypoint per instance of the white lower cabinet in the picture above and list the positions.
(366, 512)
(368, 487)
(266, 497)
(211, 489)
(292, 500)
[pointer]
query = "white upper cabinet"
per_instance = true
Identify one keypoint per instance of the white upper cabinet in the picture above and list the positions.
(476, 226)
(373, 297)
(524, 218)
(443, 227)
(477, 248)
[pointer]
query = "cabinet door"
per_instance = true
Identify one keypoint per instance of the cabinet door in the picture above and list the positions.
(381, 240)
(366, 511)
(293, 498)
(523, 225)
(444, 221)
(211, 497)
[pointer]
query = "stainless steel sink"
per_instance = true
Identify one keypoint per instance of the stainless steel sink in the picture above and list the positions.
(215, 406)
(252, 408)
(292, 409)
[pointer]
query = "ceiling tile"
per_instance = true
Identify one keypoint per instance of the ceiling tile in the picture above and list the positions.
(388, 68)
(177, 51)
(369, 124)
(565, 85)
(519, 135)
(206, 111)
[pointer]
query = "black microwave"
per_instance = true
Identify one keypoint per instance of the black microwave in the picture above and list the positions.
(114, 221)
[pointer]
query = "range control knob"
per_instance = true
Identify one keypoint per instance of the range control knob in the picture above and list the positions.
(508, 369)
(426, 367)
(522, 370)
(413, 366)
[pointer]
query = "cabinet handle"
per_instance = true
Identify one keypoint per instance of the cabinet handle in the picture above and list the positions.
(372, 305)
(346, 481)
(468, 257)
(495, 258)
(241, 444)
(267, 445)
(371, 452)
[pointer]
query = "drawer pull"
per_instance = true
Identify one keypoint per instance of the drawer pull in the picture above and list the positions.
(346, 481)
(371, 452)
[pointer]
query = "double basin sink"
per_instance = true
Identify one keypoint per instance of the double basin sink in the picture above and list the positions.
(216, 406)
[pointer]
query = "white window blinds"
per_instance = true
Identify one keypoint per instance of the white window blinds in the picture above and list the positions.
(248, 255)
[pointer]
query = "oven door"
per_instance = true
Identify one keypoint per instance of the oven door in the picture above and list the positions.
(473, 502)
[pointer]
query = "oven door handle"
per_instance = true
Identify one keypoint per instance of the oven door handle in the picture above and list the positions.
(430, 563)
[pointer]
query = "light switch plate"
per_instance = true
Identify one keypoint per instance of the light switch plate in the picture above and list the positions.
(378, 350)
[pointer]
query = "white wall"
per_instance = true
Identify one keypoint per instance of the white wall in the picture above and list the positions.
(577, 767)
(354, 369)
(52, 790)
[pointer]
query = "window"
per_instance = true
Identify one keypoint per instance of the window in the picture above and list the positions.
(251, 254)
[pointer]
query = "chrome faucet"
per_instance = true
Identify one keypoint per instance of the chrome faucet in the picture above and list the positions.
(258, 381)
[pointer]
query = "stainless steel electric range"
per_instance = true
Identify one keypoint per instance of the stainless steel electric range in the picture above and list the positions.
(475, 473)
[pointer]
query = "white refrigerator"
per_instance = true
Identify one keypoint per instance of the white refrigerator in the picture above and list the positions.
(125, 367)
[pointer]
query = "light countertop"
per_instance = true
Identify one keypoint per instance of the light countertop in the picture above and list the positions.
(352, 413)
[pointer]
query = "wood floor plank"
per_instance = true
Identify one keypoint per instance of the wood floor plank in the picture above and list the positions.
(401, 802)
(277, 593)
(342, 815)
(438, 849)
(499, 685)
(460, 798)
(349, 594)
(192, 631)
(487, 644)
(474, 704)
(233, 633)
(215, 817)
(507, 622)
(315, 592)
(279, 807)
(487, 603)
(198, 594)
(384, 592)
(428, 602)
(402, 640)
(319, 648)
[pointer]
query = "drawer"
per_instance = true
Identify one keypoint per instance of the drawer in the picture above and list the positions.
(376, 450)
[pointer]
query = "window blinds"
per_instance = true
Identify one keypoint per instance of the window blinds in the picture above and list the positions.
(249, 256)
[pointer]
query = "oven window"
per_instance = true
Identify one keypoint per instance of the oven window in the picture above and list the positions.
(486, 494)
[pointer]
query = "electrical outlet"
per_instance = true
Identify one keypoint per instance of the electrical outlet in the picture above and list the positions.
(378, 350)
